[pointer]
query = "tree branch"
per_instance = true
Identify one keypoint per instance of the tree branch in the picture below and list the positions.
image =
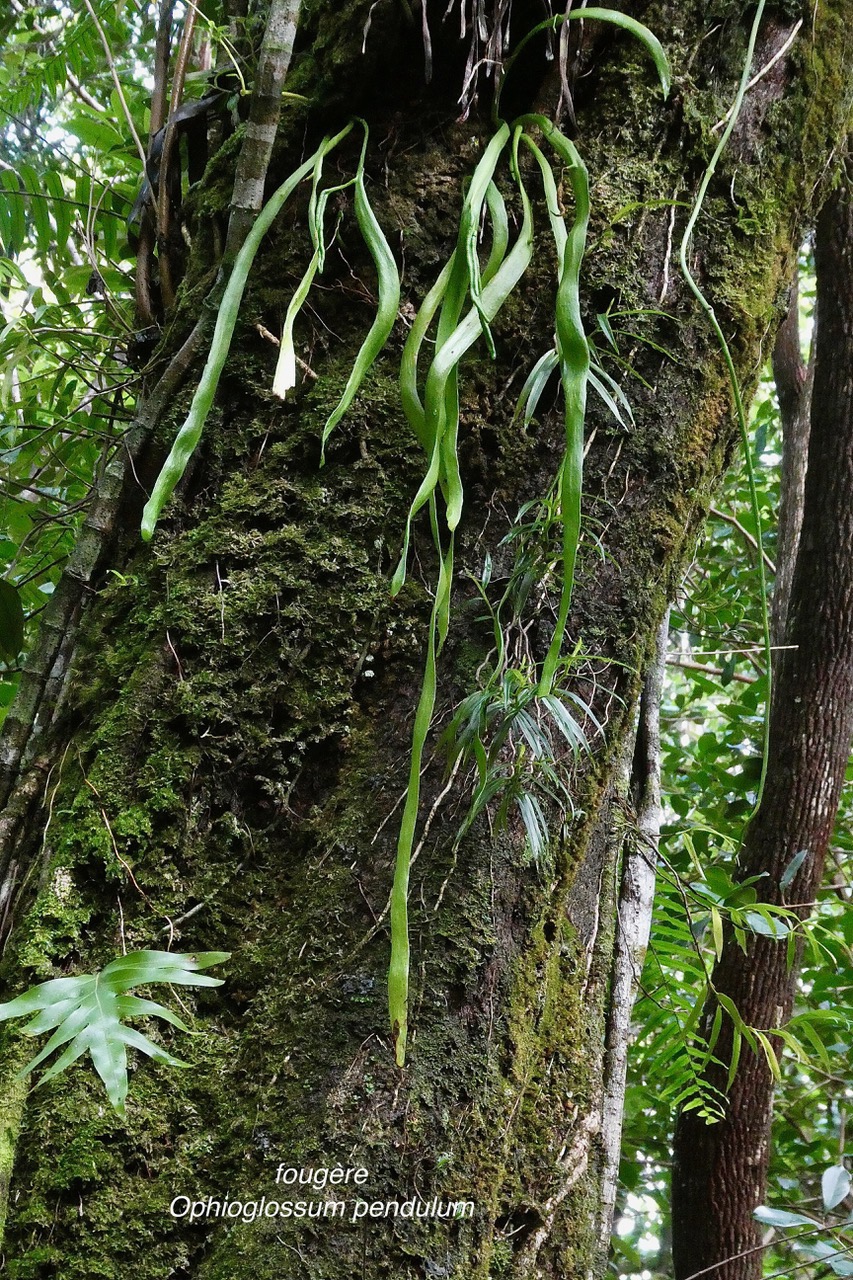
(636, 899)
(793, 390)
(167, 289)
(145, 252)
(117, 82)
(262, 125)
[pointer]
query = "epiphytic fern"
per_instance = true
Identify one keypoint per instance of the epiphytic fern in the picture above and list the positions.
(88, 1014)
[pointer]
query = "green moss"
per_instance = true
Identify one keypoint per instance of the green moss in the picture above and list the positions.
(12, 1101)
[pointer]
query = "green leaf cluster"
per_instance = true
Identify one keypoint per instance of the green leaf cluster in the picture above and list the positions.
(68, 174)
(88, 1014)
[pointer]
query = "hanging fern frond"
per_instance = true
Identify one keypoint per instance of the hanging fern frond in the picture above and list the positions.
(464, 302)
(670, 1051)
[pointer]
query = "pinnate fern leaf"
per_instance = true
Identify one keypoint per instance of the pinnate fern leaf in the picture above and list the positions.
(89, 1013)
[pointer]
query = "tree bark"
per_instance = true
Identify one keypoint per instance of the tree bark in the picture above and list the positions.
(793, 389)
(720, 1171)
(638, 876)
(235, 726)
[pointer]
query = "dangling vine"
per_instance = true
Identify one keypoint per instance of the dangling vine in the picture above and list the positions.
(734, 383)
(463, 302)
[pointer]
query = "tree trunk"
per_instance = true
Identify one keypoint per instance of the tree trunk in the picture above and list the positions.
(793, 382)
(225, 766)
(725, 1166)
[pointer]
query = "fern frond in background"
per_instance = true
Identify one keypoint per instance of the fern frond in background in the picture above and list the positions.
(88, 1014)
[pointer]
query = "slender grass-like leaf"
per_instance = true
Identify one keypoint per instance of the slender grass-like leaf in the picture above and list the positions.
(566, 723)
(611, 394)
(537, 381)
(535, 826)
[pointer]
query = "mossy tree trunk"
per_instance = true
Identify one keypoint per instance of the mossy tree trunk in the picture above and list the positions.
(225, 767)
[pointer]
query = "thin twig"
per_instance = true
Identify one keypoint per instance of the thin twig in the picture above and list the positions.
(145, 250)
(745, 534)
(167, 289)
(759, 1248)
(687, 665)
(759, 75)
(83, 94)
(117, 82)
(262, 126)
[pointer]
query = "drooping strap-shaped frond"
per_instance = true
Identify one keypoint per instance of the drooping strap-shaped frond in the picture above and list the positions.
(573, 354)
(388, 281)
(189, 435)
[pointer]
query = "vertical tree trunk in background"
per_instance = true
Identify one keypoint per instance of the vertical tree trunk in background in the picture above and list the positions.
(793, 390)
(720, 1171)
(633, 921)
(236, 724)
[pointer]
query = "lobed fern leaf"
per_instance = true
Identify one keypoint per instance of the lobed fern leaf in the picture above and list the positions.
(88, 1013)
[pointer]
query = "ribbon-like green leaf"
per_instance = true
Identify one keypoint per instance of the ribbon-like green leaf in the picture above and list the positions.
(388, 279)
(189, 435)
